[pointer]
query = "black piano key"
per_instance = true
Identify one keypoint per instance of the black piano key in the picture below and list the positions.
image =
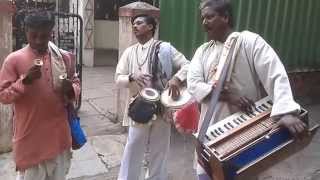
(253, 112)
(262, 108)
(217, 132)
(213, 134)
(239, 119)
(270, 102)
(235, 121)
(242, 117)
(207, 137)
(257, 109)
(230, 125)
(265, 106)
(250, 115)
(221, 130)
(226, 126)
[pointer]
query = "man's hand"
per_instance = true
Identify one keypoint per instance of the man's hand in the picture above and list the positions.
(293, 123)
(5, 84)
(243, 103)
(33, 73)
(67, 89)
(174, 85)
(143, 80)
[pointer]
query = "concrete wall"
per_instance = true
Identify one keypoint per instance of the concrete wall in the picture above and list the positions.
(86, 11)
(104, 38)
(106, 42)
(106, 34)
(5, 34)
(5, 49)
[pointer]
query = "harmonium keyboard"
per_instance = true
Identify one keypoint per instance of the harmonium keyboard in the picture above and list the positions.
(241, 141)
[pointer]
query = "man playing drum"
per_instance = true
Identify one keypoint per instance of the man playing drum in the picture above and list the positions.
(144, 66)
(257, 71)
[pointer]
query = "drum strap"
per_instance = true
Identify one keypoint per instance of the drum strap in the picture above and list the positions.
(154, 63)
(161, 64)
(222, 73)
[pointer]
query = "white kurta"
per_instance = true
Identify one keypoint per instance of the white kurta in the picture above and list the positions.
(133, 58)
(257, 70)
(155, 138)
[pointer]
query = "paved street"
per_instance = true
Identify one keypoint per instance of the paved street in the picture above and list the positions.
(100, 158)
(108, 138)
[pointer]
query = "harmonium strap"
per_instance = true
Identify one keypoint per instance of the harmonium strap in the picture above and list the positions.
(240, 141)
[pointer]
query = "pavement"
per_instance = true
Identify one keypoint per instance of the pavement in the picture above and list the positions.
(100, 158)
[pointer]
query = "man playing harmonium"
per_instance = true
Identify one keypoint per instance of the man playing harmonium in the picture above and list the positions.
(256, 71)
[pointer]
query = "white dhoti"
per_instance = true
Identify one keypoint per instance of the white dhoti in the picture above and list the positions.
(55, 169)
(155, 140)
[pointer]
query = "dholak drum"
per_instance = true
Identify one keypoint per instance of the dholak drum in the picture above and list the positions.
(145, 106)
(184, 112)
(150, 94)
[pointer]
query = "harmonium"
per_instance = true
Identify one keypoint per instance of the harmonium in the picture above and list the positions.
(242, 143)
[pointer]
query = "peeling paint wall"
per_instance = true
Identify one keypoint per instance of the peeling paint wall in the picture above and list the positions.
(5, 49)
(5, 35)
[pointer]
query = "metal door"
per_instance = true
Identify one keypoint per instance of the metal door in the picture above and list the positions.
(68, 32)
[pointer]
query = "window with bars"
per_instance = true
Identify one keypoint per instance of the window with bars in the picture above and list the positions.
(63, 5)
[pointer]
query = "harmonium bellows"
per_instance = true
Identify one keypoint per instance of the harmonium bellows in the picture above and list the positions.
(239, 142)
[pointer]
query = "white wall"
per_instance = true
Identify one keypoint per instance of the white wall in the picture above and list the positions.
(88, 53)
(106, 34)
(80, 10)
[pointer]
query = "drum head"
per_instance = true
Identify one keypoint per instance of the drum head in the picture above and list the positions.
(150, 94)
(167, 101)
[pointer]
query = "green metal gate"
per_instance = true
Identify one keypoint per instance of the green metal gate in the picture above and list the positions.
(290, 26)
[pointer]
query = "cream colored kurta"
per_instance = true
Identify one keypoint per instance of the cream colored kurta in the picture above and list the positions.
(257, 69)
(134, 61)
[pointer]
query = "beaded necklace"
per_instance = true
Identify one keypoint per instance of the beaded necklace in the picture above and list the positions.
(145, 60)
